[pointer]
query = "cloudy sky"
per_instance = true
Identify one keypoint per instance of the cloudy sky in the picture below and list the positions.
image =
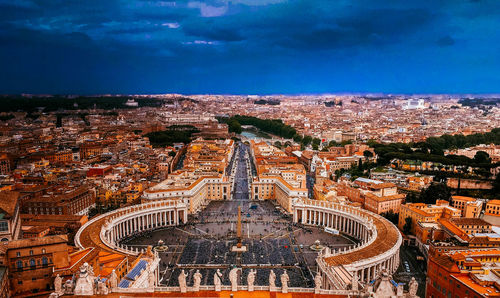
(249, 46)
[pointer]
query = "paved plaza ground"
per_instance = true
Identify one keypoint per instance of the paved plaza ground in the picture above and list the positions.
(272, 241)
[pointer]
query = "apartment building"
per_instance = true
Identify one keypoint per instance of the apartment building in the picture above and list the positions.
(492, 212)
(32, 261)
(202, 178)
(464, 273)
(279, 177)
(65, 200)
(423, 213)
(470, 207)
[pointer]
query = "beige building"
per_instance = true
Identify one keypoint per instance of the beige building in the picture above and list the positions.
(187, 186)
(279, 177)
(492, 212)
(469, 207)
(423, 213)
(493, 207)
(202, 178)
(383, 204)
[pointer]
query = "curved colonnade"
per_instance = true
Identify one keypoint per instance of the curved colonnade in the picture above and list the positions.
(107, 230)
(378, 248)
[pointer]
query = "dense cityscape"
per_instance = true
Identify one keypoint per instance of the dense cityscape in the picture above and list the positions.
(346, 195)
(250, 148)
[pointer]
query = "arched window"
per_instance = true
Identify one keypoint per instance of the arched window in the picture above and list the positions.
(45, 262)
(19, 265)
(32, 263)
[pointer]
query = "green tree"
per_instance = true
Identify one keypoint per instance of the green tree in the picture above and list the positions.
(391, 216)
(482, 157)
(407, 226)
(307, 140)
(234, 126)
(435, 191)
(297, 138)
(173, 134)
(496, 185)
(411, 198)
(367, 154)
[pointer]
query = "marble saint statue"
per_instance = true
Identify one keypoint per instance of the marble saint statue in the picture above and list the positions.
(413, 287)
(317, 282)
(197, 281)
(272, 281)
(113, 280)
(233, 278)
(217, 280)
(251, 280)
(182, 281)
(284, 282)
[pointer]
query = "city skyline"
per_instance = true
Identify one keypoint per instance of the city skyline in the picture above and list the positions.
(250, 148)
(249, 47)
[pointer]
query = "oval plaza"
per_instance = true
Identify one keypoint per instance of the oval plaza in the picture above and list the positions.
(237, 217)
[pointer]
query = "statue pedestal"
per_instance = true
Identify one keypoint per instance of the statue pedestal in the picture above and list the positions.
(239, 249)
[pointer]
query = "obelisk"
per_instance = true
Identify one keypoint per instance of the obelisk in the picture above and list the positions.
(239, 247)
(238, 228)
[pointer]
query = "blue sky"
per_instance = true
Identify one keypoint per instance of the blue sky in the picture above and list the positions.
(249, 46)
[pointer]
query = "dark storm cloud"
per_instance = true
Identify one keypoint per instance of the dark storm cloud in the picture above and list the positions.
(266, 45)
(367, 27)
(446, 41)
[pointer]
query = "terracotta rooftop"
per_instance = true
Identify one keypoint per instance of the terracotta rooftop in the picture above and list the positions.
(8, 202)
(469, 199)
(54, 239)
(385, 198)
(453, 229)
(490, 291)
(36, 229)
(469, 221)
